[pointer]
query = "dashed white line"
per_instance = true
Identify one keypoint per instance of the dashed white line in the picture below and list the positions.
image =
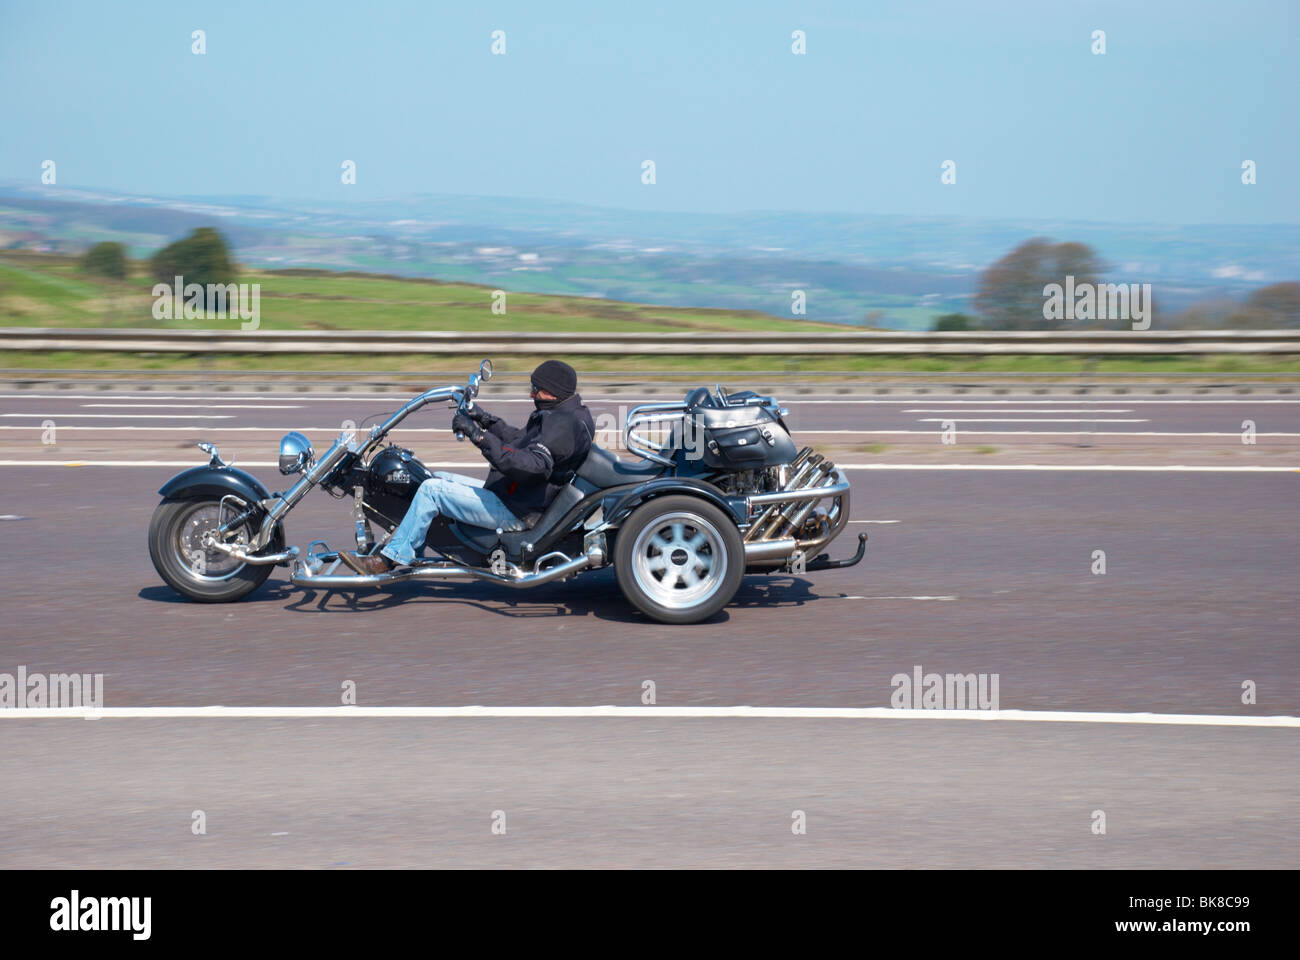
(889, 598)
(957, 419)
(119, 416)
(1051, 410)
(196, 406)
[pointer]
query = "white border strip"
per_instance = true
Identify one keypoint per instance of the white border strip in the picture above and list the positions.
(777, 713)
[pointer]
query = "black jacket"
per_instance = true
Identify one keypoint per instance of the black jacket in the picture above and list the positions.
(527, 463)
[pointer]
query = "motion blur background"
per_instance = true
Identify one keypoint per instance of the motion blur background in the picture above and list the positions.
(907, 167)
(515, 159)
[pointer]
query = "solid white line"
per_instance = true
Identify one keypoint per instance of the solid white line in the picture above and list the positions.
(630, 399)
(217, 429)
(119, 416)
(657, 713)
(1065, 468)
(875, 521)
(957, 419)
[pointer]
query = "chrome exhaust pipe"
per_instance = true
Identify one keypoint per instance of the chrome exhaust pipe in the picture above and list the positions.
(792, 524)
(762, 527)
(770, 550)
(780, 523)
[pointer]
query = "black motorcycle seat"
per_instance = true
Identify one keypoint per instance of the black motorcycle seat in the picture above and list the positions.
(604, 469)
(700, 397)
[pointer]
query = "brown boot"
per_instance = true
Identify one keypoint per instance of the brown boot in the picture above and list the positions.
(371, 565)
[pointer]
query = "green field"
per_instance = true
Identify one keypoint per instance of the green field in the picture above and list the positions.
(49, 291)
(41, 290)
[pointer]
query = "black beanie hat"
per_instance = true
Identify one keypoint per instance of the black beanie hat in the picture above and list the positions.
(557, 378)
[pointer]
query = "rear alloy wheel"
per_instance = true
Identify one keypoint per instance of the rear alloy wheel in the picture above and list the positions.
(176, 546)
(679, 559)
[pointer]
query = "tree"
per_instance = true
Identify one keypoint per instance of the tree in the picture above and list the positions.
(953, 321)
(105, 259)
(201, 258)
(1011, 291)
(1279, 302)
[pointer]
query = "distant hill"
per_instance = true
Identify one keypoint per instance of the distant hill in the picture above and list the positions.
(887, 271)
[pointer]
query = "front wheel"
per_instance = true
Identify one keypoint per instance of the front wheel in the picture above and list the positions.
(209, 576)
(679, 559)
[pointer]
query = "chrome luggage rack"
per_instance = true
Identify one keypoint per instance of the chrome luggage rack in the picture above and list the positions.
(655, 416)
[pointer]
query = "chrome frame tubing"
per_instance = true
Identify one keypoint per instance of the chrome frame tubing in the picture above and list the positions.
(438, 571)
(647, 413)
(341, 448)
(836, 486)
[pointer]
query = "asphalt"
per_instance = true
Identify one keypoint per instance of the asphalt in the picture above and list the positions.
(1260, 429)
(638, 794)
(967, 571)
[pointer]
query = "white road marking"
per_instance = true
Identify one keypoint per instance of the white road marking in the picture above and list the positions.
(120, 416)
(233, 395)
(957, 419)
(1128, 398)
(329, 432)
(887, 598)
(655, 713)
(1052, 410)
(334, 431)
(353, 397)
(875, 521)
(1045, 433)
(201, 406)
(1086, 467)
(1066, 468)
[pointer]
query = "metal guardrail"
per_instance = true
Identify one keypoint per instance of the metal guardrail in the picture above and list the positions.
(647, 383)
(497, 343)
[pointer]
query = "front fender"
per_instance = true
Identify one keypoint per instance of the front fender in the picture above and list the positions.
(619, 505)
(206, 481)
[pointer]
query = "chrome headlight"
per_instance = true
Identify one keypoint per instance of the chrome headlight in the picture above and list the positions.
(296, 453)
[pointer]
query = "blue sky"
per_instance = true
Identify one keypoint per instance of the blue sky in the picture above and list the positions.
(1038, 126)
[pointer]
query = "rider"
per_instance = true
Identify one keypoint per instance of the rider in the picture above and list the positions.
(525, 467)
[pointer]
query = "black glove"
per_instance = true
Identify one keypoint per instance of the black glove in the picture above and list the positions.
(481, 416)
(461, 423)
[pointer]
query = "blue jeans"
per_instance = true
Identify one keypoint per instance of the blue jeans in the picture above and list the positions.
(454, 496)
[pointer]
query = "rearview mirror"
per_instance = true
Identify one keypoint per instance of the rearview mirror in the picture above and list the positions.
(485, 370)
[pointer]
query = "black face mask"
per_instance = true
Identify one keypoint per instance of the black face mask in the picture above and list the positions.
(541, 404)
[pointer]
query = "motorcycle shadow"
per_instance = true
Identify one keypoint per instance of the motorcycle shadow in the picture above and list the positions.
(773, 592)
(596, 595)
(273, 591)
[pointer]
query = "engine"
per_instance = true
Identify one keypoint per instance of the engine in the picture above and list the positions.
(742, 483)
